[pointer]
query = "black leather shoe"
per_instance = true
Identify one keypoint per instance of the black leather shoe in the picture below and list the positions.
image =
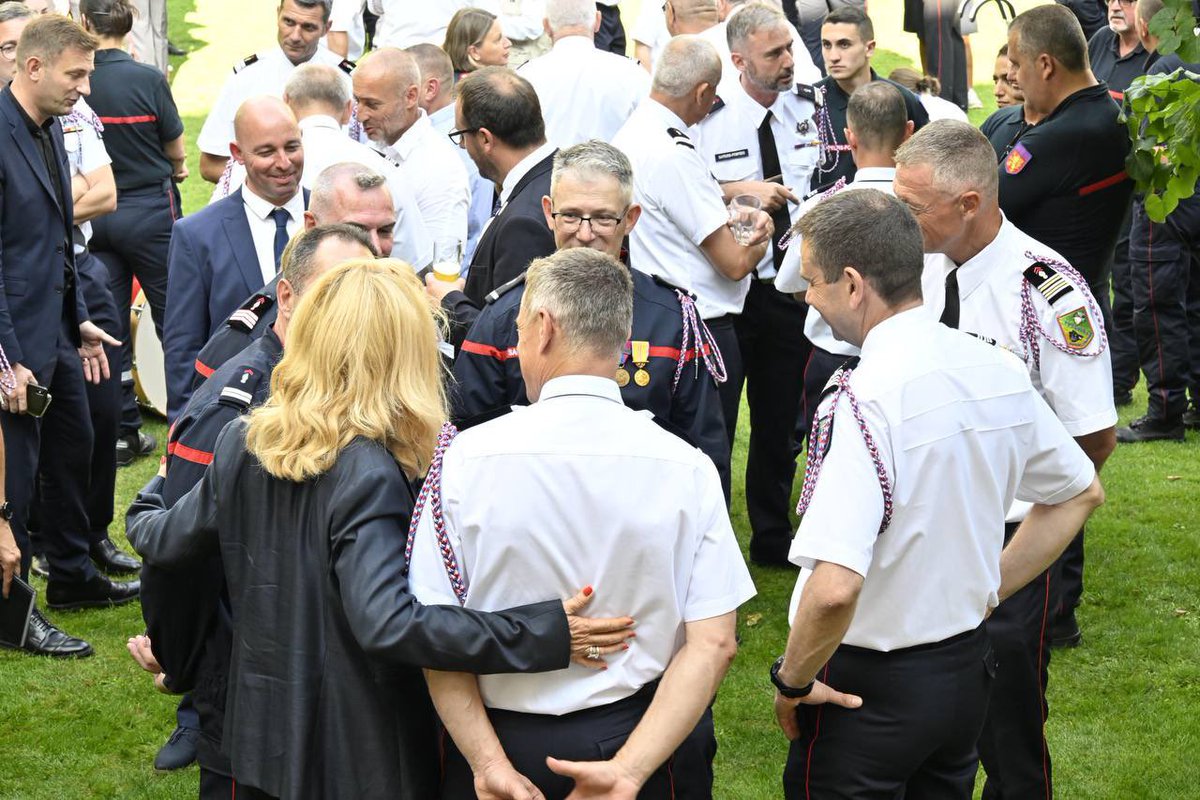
(175, 50)
(1124, 398)
(98, 591)
(1191, 419)
(40, 566)
(112, 560)
(1065, 632)
(179, 750)
(43, 639)
(133, 446)
(1148, 429)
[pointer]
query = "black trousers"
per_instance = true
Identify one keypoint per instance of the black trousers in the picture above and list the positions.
(1122, 336)
(58, 447)
(1066, 578)
(913, 737)
(611, 36)
(774, 350)
(1013, 747)
(1164, 261)
(590, 735)
(945, 52)
(215, 786)
(104, 406)
(730, 392)
(133, 242)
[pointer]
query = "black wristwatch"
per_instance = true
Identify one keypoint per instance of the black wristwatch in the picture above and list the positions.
(6, 511)
(790, 692)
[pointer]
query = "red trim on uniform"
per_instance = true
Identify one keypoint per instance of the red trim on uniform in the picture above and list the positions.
(1111, 180)
(129, 120)
(671, 774)
(480, 349)
(813, 742)
(1042, 688)
(192, 454)
(1118, 96)
(203, 369)
(668, 352)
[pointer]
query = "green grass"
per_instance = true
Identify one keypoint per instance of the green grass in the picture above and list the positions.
(1124, 706)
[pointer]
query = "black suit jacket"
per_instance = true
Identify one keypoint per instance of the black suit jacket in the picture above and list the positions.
(513, 238)
(33, 246)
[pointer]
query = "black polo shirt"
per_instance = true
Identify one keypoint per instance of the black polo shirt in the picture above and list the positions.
(1110, 66)
(1092, 14)
(43, 141)
(1063, 180)
(134, 103)
(836, 101)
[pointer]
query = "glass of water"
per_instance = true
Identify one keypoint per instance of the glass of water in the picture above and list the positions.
(743, 210)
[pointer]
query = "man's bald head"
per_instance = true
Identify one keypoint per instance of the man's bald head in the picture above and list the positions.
(258, 113)
(392, 64)
(387, 88)
(266, 139)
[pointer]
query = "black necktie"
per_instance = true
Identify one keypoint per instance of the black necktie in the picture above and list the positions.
(281, 217)
(495, 203)
(770, 167)
(950, 311)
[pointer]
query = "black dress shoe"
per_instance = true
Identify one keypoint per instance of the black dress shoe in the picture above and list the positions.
(175, 50)
(1148, 429)
(112, 560)
(178, 751)
(1122, 398)
(1065, 632)
(43, 639)
(133, 446)
(98, 591)
(1191, 419)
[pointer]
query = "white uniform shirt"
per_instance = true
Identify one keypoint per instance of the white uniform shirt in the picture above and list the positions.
(938, 108)
(346, 17)
(728, 139)
(520, 170)
(804, 71)
(789, 281)
(403, 23)
(435, 172)
(681, 207)
(961, 432)
(650, 29)
(482, 190)
(585, 93)
(262, 227)
(268, 74)
(520, 20)
(85, 148)
(541, 502)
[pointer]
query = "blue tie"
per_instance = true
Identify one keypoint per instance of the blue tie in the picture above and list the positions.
(281, 217)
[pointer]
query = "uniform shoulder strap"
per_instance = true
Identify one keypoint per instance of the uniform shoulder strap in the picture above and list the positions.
(1048, 281)
(251, 312)
(717, 105)
(680, 138)
(346, 65)
(245, 62)
(504, 288)
(241, 387)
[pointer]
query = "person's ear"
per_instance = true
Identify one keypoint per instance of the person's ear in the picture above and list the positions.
(870, 48)
(631, 217)
(548, 211)
(851, 140)
(310, 221)
(236, 153)
(285, 296)
(855, 286)
(546, 330)
(970, 203)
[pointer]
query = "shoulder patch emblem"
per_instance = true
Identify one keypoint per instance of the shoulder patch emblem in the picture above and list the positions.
(1017, 159)
(680, 138)
(245, 62)
(1049, 283)
(1077, 328)
(807, 92)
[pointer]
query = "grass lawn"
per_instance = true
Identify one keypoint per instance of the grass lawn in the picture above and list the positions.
(1124, 706)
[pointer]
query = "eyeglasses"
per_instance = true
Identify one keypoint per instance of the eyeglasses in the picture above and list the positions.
(601, 224)
(9, 50)
(456, 136)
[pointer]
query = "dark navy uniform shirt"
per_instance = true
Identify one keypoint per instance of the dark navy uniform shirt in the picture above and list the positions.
(1110, 66)
(488, 373)
(252, 319)
(1063, 180)
(135, 104)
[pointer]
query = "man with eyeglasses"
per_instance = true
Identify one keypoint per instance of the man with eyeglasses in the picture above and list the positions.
(14, 17)
(498, 121)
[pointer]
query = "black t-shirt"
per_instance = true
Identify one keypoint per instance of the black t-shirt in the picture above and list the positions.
(840, 164)
(1063, 180)
(1092, 14)
(134, 103)
(1110, 66)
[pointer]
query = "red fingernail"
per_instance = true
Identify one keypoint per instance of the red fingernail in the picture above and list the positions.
(624, 647)
(587, 591)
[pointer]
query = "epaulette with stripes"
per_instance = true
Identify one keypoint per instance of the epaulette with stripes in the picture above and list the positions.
(680, 138)
(245, 62)
(239, 391)
(717, 105)
(808, 92)
(346, 65)
(1048, 282)
(503, 289)
(251, 312)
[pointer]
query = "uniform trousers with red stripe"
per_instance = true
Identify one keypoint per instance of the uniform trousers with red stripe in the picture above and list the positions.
(914, 735)
(1013, 746)
(1164, 262)
(593, 734)
(944, 50)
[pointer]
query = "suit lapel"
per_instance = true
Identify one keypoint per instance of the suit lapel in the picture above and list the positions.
(539, 169)
(241, 242)
(26, 146)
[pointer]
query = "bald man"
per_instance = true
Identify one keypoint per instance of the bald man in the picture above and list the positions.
(230, 249)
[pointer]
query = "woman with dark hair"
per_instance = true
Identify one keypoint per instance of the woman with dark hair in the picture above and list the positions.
(144, 137)
(474, 39)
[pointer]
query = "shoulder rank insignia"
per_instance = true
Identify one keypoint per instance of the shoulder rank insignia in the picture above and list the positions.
(717, 105)
(245, 62)
(1017, 158)
(680, 138)
(1077, 328)
(346, 65)
(239, 391)
(1049, 283)
(251, 312)
(807, 92)
(504, 289)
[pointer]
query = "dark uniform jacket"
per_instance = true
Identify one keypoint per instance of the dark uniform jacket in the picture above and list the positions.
(249, 323)
(324, 696)
(488, 374)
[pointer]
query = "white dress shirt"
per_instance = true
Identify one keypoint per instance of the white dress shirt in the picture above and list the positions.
(579, 490)
(961, 432)
(262, 227)
(585, 93)
(482, 190)
(85, 149)
(346, 17)
(789, 281)
(520, 20)
(681, 207)
(268, 74)
(728, 139)
(403, 23)
(520, 170)
(650, 29)
(435, 172)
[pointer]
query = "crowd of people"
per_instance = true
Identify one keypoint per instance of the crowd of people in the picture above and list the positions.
(466, 329)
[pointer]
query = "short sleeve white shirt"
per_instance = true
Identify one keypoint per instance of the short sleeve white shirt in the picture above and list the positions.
(961, 432)
(585, 93)
(403, 23)
(681, 206)
(539, 503)
(85, 146)
(346, 17)
(650, 29)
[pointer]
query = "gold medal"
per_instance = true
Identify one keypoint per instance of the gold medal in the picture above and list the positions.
(640, 355)
(641, 377)
(623, 378)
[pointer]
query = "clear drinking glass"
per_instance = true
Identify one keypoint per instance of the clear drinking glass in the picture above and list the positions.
(743, 209)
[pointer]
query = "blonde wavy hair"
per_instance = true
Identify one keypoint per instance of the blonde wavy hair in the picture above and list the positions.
(361, 360)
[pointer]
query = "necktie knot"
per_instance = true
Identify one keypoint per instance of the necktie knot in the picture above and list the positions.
(281, 217)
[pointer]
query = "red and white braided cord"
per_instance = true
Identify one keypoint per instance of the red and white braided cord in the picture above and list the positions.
(1031, 325)
(8, 381)
(431, 493)
(697, 334)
